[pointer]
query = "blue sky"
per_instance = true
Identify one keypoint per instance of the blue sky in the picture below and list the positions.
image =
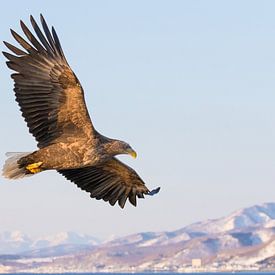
(189, 84)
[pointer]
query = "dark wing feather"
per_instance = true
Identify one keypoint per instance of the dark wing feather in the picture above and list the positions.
(111, 181)
(49, 94)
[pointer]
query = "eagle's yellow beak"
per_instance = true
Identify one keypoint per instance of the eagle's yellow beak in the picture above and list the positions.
(132, 153)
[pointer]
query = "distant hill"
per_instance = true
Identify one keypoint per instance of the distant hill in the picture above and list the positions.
(16, 242)
(243, 240)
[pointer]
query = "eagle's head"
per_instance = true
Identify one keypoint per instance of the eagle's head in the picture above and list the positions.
(118, 147)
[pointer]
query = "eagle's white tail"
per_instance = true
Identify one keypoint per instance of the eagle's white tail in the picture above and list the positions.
(11, 169)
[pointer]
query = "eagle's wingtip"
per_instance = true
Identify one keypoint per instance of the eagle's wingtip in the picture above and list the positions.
(153, 192)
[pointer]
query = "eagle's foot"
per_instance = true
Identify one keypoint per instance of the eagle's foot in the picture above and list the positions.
(34, 167)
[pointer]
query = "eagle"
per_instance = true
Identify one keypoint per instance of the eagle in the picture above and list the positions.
(52, 103)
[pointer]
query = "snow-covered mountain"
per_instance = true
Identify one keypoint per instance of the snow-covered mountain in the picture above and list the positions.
(255, 216)
(16, 242)
(258, 218)
(244, 239)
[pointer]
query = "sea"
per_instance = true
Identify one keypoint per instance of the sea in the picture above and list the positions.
(145, 273)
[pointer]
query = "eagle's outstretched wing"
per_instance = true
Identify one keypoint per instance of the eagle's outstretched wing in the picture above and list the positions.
(48, 92)
(111, 181)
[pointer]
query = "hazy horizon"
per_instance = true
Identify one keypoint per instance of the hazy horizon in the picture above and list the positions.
(189, 84)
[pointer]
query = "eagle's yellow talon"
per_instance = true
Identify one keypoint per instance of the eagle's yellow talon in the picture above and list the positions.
(34, 167)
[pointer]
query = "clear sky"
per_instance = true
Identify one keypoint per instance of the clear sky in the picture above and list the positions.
(189, 84)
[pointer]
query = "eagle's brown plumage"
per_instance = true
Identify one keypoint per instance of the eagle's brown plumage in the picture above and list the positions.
(52, 103)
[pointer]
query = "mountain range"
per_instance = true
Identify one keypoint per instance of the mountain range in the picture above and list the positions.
(243, 240)
(16, 242)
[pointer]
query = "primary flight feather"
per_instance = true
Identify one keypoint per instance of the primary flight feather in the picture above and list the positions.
(52, 103)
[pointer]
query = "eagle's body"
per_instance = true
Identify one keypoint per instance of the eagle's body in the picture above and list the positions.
(70, 155)
(52, 102)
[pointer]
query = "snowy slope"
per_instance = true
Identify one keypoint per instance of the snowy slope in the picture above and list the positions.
(16, 242)
(255, 216)
(259, 219)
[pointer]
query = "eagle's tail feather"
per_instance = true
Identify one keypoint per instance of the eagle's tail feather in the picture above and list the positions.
(11, 168)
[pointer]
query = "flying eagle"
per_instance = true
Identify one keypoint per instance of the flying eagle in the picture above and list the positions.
(52, 103)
